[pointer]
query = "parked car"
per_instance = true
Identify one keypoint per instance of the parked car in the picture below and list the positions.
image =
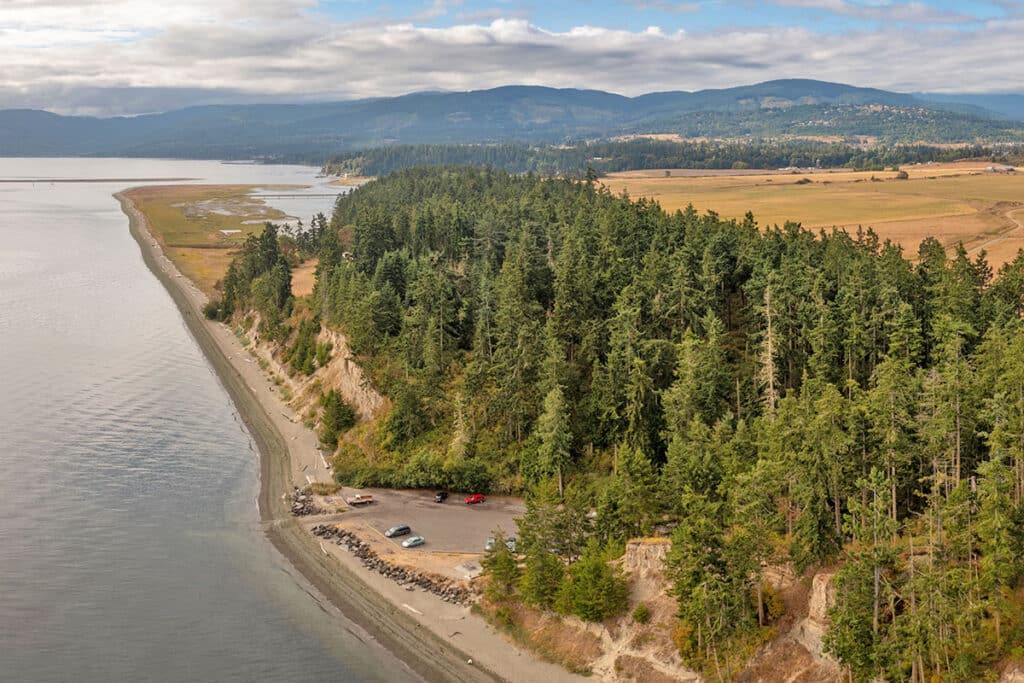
(475, 498)
(510, 543)
(400, 530)
(440, 496)
(413, 541)
(361, 499)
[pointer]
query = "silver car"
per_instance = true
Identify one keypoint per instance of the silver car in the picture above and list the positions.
(413, 541)
(400, 530)
(510, 543)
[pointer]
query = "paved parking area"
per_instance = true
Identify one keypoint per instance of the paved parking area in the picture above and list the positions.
(451, 526)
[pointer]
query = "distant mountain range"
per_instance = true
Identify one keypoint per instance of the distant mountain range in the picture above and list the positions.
(517, 113)
(1010, 106)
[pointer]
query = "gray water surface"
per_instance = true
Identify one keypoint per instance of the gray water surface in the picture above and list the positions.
(130, 541)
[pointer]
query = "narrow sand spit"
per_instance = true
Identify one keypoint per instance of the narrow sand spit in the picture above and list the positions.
(430, 639)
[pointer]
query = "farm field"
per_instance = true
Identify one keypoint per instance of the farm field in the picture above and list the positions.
(956, 202)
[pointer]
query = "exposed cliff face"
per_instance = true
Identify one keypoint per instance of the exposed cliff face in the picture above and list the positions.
(345, 376)
(796, 655)
(810, 630)
(643, 652)
(630, 651)
(645, 558)
(1013, 674)
(342, 373)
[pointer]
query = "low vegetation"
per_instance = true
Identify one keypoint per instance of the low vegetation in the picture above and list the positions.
(202, 227)
(319, 488)
(641, 614)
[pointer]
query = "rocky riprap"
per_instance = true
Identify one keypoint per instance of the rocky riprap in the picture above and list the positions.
(303, 505)
(411, 580)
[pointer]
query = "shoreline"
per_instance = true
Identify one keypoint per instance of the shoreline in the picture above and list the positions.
(412, 643)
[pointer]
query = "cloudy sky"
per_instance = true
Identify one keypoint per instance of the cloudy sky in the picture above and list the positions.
(109, 57)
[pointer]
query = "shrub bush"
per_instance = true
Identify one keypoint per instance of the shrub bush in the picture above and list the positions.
(641, 614)
(212, 309)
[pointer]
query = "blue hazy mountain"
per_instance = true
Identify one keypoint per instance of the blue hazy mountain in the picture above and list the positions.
(514, 113)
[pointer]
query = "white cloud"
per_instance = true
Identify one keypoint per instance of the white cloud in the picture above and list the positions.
(145, 14)
(128, 56)
(884, 11)
(666, 5)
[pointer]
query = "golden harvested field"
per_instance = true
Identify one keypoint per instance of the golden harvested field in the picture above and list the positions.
(188, 220)
(956, 202)
(351, 181)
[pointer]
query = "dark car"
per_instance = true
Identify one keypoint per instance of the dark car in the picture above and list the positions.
(440, 496)
(400, 530)
(475, 498)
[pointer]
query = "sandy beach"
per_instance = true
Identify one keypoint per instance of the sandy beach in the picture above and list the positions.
(434, 638)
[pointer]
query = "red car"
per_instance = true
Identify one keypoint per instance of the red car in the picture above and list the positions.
(475, 498)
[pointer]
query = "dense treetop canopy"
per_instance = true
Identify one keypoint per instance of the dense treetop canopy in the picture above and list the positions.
(786, 395)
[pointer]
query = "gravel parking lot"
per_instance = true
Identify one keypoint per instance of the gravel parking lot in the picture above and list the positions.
(451, 526)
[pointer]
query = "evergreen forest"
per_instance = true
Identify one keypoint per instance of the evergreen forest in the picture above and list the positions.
(762, 394)
(578, 159)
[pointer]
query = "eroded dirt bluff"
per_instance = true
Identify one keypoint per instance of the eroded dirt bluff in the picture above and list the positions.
(1013, 674)
(796, 655)
(342, 373)
(810, 630)
(346, 377)
(646, 652)
(636, 652)
(643, 652)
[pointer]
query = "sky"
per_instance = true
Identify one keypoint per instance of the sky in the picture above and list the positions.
(123, 57)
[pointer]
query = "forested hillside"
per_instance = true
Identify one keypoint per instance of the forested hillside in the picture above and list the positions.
(890, 124)
(768, 393)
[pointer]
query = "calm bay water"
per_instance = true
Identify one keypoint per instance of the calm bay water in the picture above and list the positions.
(130, 543)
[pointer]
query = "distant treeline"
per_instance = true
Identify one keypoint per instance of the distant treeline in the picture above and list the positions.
(607, 157)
